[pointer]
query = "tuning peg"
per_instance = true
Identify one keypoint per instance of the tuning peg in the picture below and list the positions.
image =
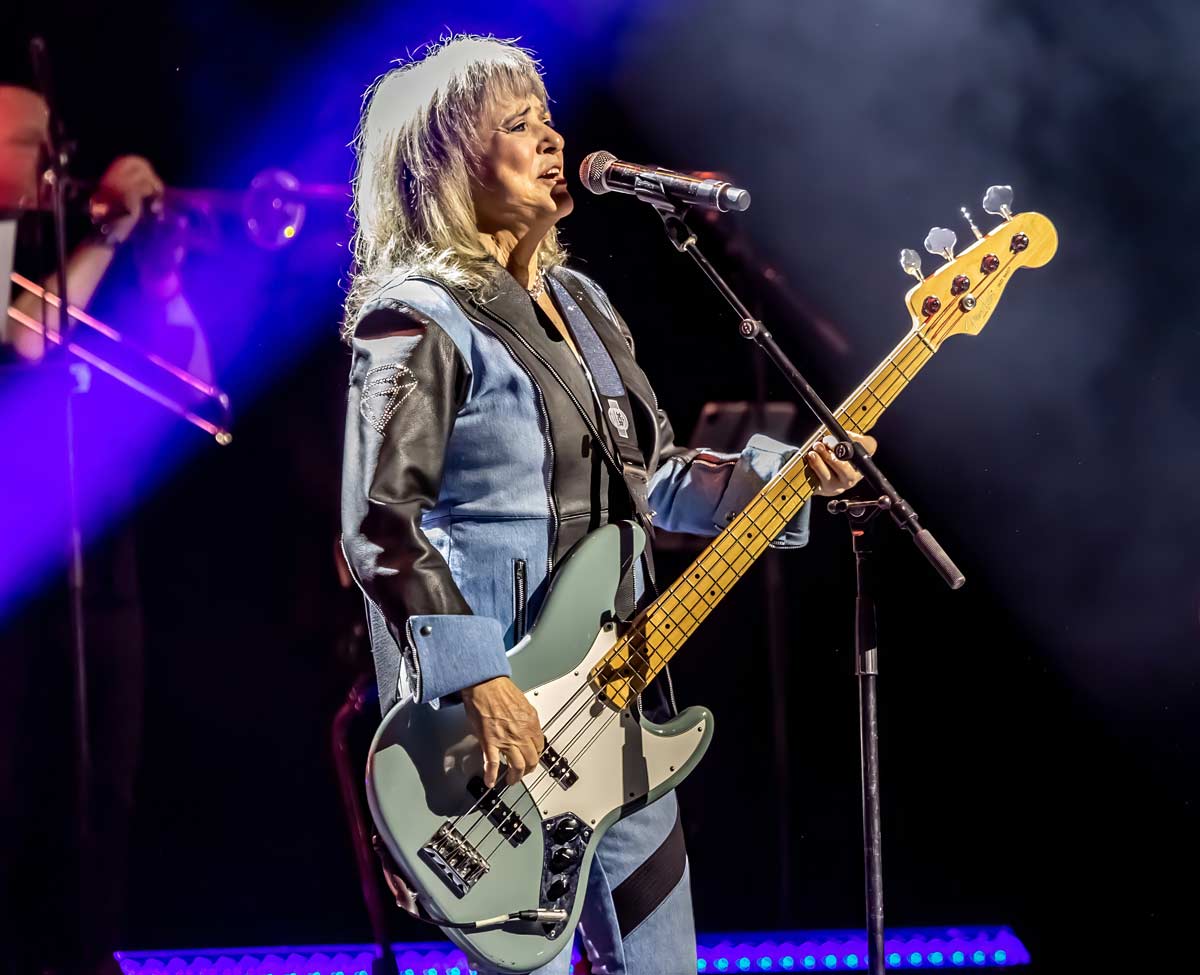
(910, 263)
(998, 200)
(970, 223)
(941, 241)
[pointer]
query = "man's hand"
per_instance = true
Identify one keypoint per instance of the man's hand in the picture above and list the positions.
(507, 727)
(123, 191)
(836, 476)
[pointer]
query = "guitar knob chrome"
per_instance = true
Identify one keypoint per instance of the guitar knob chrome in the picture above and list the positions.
(910, 263)
(941, 241)
(998, 200)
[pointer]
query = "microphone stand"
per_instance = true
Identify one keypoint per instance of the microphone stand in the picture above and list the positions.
(866, 667)
(57, 177)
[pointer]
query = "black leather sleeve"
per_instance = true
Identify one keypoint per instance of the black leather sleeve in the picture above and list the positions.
(407, 383)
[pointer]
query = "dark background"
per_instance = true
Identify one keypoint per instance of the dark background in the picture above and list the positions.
(1040, 752)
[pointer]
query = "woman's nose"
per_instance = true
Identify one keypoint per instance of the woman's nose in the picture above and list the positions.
(552, 140)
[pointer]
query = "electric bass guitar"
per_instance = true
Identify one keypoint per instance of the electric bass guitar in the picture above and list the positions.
(503, 870)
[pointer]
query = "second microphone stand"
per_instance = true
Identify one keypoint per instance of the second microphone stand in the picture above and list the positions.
(902, 513)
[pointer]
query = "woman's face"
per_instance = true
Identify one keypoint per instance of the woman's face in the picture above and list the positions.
(521, 185)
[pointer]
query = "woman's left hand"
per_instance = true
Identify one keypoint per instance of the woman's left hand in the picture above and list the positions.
(836, 476)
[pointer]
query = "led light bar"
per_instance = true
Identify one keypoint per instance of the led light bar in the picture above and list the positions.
(717, 954)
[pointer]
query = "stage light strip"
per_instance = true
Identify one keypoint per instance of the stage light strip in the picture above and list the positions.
(718, 954)
(846, 951)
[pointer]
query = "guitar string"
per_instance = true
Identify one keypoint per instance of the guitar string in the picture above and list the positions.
(612, 715)
(627, 643)
(737, 575)
(547, 743)
(643, 629)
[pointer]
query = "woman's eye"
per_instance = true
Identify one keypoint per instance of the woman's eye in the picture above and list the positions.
(519, 127)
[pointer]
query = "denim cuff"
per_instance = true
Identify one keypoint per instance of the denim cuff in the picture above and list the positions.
(451, 652)
(760, 461)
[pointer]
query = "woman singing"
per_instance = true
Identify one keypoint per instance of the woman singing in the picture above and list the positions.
(491, 388)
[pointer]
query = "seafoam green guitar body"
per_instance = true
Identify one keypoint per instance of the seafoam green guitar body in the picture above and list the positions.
(425, 769)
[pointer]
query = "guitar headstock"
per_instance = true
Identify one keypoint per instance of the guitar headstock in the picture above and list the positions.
(960, 296)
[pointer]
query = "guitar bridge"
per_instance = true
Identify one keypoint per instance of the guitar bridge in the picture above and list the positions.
(455, 860)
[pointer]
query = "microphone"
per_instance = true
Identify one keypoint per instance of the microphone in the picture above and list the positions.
(602, 172)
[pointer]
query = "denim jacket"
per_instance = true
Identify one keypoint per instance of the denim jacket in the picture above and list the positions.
(468, 472)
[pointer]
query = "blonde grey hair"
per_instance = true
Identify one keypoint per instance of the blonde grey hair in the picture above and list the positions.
(417, 147)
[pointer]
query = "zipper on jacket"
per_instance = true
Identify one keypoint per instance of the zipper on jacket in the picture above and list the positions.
(414, 662)
(549, 442)
(519, 599)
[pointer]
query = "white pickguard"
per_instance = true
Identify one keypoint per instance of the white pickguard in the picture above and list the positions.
(622, 762)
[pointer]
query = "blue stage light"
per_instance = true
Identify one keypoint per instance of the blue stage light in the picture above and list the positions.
(831, 961)
(915, 959)
(894, 959)
(936, 958)
(722, 964)
(765, 963)
(1000, 956)
(851, 961)
(958, 958)
(810, 961)
(744, 964)
(787, 962)
(979, 958)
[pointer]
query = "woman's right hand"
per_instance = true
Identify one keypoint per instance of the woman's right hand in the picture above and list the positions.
(507, 727)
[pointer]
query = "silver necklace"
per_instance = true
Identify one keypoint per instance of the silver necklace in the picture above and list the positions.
(539, 286)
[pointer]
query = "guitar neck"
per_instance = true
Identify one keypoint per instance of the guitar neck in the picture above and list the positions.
(665, 625)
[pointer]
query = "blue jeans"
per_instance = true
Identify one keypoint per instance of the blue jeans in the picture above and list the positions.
(665, 942)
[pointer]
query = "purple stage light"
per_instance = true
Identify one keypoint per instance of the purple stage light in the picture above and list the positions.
(763, 951)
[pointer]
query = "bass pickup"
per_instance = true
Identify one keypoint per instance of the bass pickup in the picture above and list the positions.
(508, 824)
(559, 770)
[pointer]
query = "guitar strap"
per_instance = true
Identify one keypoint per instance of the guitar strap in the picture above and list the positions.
(613, 400)
(610, 392)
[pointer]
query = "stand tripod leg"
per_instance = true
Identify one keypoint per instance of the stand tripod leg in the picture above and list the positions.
(872, 829)
(866, 668)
